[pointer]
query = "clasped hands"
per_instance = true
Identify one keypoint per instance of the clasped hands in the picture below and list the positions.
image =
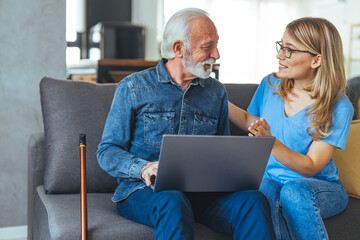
(259, 128)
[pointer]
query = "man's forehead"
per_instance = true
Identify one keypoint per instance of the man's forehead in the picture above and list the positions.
(204, 28)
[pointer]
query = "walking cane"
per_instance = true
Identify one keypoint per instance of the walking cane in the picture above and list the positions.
(82, 146)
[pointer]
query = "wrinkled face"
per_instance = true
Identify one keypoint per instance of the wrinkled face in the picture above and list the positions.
(203, 50)
(299, 65)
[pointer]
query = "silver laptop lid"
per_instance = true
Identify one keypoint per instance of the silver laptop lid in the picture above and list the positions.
(194, 163)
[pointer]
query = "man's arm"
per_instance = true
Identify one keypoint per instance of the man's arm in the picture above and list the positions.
(113, 152)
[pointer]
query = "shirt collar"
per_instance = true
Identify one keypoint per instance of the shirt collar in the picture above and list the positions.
(164, 77)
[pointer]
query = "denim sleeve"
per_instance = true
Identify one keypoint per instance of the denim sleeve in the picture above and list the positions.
(223, 128)
(113, 152)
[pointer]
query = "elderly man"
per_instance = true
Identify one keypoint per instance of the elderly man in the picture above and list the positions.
(175, 97)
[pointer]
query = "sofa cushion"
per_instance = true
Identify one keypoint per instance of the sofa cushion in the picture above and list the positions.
(348, 161)
(104, 222)
(345, 225)
(71, 108)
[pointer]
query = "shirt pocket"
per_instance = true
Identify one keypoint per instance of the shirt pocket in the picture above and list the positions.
(205, 124)
(156, 124)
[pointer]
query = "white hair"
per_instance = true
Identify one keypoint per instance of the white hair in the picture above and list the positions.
(178, 28)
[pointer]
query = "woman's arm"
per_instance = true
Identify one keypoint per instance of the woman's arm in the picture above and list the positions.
(308, 165)
(240, 117)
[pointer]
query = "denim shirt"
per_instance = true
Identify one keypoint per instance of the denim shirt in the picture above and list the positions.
(147, 105)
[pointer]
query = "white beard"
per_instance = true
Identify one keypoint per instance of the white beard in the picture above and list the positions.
(197, 69)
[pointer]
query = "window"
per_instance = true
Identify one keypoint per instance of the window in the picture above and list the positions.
(75, 26)
(247, 30)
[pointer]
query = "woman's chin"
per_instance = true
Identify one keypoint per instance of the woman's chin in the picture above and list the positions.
(280, 74)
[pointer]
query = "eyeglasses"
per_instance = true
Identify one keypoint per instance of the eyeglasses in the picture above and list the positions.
(287, 52)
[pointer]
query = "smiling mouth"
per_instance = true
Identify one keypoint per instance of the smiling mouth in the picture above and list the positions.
(207, 66)
(282, 66)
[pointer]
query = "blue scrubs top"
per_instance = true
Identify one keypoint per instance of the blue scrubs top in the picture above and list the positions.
(292, 131)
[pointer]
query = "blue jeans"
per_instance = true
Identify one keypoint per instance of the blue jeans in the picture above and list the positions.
(298, 206)
(172, 214)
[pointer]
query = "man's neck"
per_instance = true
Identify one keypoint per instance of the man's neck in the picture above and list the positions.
(178, 73)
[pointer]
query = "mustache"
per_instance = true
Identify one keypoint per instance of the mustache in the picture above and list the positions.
(209, 61)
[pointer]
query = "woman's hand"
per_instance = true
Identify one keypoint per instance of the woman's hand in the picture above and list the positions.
(259, 128)
(319, 154)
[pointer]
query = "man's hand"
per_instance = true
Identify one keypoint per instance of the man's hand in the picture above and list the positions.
(149, 170)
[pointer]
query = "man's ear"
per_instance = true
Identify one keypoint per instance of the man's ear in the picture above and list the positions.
(316, 62)
(178, 48)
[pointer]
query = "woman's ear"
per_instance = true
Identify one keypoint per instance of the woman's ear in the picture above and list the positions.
(316, 62)
(178, 48)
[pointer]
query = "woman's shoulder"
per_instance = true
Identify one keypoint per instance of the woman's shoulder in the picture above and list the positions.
(270, 79)
(269, 83)
(343, 104)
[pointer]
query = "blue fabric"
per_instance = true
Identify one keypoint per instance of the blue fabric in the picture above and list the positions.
(292, 131)
(298, 206)
(172, 214)
(146, 106)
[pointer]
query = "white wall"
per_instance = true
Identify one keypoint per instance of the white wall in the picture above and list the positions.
(33, 45)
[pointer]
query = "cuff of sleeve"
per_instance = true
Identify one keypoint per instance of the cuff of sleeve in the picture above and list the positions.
(135, 169)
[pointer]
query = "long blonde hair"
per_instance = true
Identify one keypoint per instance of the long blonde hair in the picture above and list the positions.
(319, 36)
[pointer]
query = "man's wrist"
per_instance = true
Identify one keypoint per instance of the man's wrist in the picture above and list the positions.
(143, 169)
(136, 168)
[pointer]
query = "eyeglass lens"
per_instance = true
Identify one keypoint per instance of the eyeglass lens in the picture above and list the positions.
(285, 51)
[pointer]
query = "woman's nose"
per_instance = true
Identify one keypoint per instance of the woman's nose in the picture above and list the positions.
(280, 55)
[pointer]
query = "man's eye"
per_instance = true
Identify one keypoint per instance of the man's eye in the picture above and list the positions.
(205, 47)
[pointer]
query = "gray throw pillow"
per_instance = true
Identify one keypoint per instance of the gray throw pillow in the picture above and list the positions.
(69, 109)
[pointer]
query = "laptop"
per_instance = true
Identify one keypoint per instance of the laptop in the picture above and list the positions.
(199, 163)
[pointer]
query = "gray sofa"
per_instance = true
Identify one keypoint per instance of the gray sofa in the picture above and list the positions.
(71, 108)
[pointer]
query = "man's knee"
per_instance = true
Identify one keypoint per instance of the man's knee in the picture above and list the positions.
(253, 216)
(258, 198)
(173, 201)
(253, 199)
(173, 208)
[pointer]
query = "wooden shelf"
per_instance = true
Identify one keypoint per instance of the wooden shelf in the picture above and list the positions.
(127, 62)
(114, 70)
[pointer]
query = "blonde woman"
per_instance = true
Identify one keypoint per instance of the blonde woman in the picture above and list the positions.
(304, 107)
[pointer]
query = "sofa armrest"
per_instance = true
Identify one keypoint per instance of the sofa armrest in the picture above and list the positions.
(36, 165)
